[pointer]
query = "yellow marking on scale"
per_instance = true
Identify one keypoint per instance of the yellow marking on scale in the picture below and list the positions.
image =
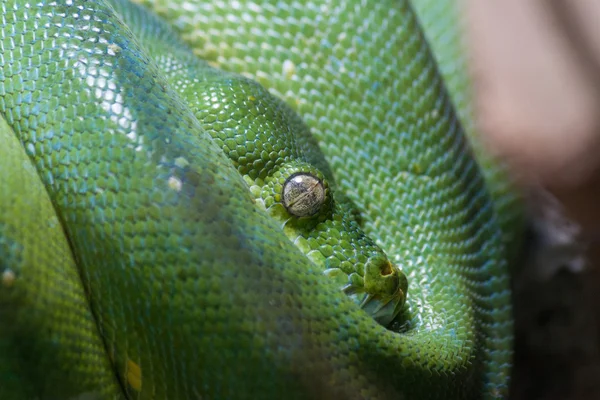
(133, 372)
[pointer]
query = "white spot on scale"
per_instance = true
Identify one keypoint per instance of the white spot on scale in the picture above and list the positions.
(289, 69)
(175, 183)
(8, 278)
(113, 49)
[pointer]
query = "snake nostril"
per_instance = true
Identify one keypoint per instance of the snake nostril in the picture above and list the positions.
(386, 269)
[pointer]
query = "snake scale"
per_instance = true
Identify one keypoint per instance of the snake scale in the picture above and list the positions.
(247, 200)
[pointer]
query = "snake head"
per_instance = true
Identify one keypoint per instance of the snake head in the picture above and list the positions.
(381, 292)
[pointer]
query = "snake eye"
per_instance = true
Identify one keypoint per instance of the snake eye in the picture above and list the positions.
(303, 194)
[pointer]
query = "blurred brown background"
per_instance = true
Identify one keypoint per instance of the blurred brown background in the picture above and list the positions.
(536, 70)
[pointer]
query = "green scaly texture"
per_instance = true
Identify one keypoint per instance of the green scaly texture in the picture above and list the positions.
(172, 270)
(48, 334)
(443, 26)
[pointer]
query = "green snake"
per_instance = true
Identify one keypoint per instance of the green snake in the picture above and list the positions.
(247, 200)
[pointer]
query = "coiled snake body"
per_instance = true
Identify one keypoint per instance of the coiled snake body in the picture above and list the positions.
(293, 214)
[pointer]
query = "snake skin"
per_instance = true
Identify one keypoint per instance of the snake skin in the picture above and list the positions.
(442, 23)
(137, 262)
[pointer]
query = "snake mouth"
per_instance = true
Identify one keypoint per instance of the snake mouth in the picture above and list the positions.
(383, 309)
